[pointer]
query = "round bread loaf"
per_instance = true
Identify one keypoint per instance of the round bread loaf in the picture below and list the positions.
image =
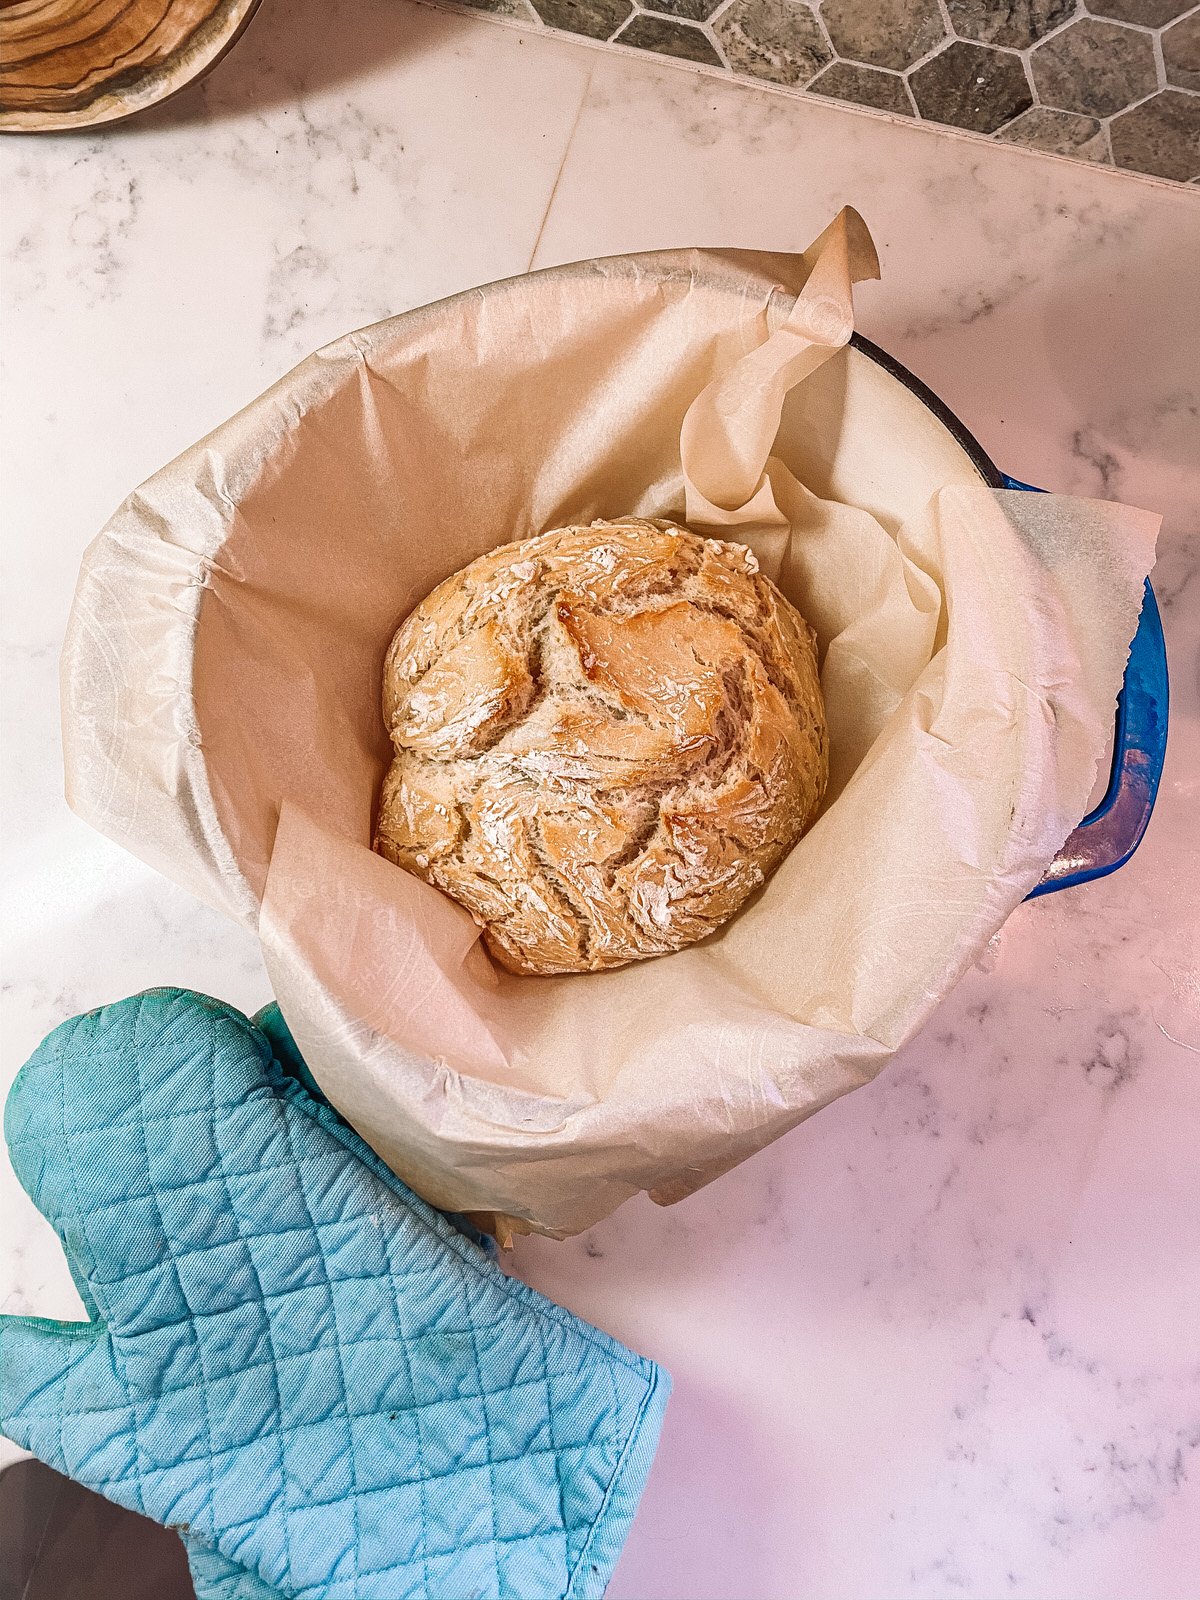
(606, 738)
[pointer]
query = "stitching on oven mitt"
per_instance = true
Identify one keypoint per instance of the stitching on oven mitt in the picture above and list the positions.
(215, 1578)
(319, 1380)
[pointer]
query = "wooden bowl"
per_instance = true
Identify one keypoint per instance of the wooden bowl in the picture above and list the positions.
(78, 63)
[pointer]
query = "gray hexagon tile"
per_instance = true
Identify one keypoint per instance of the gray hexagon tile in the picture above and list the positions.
(1110, 81)
(1181, 52)
(1161, 136)
(970, 87)
(595, 19)
(1146, 13)
(1060, 132)
(883, 33)
(780, 40)
(693, 10)
(1095, 68)
(669, 38)
(1014, 24)
(863, 86)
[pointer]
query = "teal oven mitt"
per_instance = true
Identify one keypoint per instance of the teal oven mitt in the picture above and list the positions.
(326, 1386)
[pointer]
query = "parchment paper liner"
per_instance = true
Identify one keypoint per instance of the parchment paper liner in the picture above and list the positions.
(221, 682)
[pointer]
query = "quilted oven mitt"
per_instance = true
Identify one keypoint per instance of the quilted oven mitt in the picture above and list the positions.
(322, 1383)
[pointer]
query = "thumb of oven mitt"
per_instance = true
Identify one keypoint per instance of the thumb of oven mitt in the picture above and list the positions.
(321, 1382)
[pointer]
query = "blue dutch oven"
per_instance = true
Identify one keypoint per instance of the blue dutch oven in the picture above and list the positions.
(1112, 831)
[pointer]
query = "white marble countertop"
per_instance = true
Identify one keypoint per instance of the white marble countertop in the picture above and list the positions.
(943, 1339)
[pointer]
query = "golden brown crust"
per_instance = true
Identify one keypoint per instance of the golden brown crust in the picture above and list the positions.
(606, 739)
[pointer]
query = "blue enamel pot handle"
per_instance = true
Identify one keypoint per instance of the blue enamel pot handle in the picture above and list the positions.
(1109, 834)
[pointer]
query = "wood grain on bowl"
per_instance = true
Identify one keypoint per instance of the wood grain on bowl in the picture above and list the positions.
(76, 63)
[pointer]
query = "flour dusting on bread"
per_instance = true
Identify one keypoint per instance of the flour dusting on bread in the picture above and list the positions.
(606, 738)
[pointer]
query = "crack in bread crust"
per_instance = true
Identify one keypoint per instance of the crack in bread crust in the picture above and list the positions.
(605, 739)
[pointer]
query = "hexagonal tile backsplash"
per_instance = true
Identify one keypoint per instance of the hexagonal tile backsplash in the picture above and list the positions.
(1114, 81)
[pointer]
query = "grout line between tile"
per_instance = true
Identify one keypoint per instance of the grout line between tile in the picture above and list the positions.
(701, 25)
(1053, 33)
(1027, 69)
(587, 84)
(1106, 129)
(825, 33)
(1077, 15)
(942, 44)
(1133, 104)
(710, 33)
(1160, 66)
(1134, 27)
